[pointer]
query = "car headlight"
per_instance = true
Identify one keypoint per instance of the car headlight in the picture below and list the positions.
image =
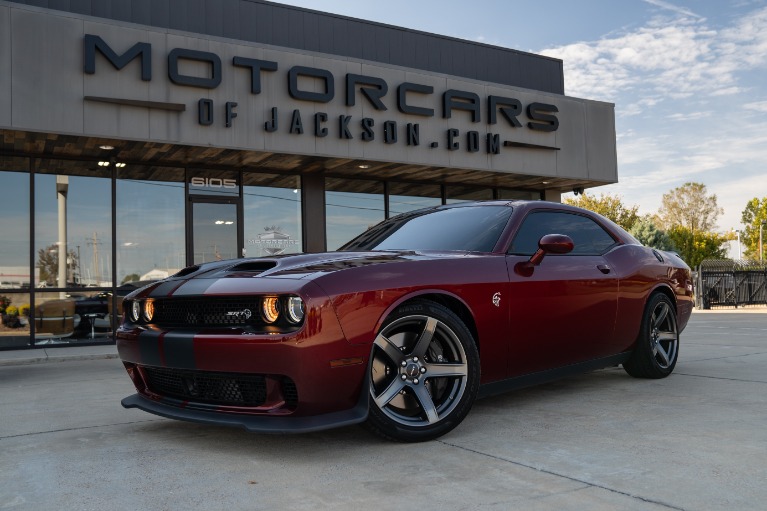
(270, 308)
(135, 310)
(295, 309)
(149, 310)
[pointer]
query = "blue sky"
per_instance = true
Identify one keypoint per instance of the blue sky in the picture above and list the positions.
(687, 78)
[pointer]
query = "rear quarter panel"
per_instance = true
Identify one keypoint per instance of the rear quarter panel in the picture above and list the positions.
(640, 273)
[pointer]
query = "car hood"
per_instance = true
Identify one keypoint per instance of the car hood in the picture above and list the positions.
(304, 266)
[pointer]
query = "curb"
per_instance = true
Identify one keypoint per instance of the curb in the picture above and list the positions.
(760, 310)
(45, 357)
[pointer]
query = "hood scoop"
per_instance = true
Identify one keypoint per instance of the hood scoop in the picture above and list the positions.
(250, 268)
(186, 271)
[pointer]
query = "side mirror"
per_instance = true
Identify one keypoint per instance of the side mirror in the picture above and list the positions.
(548, 244)
(552, 244)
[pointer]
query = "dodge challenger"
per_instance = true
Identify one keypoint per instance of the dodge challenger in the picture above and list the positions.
(406, 325)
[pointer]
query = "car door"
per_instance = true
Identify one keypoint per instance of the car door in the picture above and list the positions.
(564, 311)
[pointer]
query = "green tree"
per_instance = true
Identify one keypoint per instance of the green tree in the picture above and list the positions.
(694, 247)
(649, 235)
(689, 206)
(607, 205)
(753, 217)
(48, 263)
(688, 214)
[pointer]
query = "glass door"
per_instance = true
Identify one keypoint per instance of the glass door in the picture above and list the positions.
(213, 230)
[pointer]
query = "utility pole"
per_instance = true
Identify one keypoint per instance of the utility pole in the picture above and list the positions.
(94, 242)
(761, 246)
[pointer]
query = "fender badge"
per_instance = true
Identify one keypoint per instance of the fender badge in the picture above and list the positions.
(497, 299)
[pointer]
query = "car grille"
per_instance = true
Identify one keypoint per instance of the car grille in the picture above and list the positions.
(289, 393)
(207, 312)
(226, 389)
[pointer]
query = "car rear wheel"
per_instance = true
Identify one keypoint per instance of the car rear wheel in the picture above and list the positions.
(424, 373)
(657, 347)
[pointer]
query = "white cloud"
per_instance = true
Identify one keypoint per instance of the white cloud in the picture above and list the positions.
(672, 7)
(668, 58)
(759, 106)
(680, 84)
(690, 116)
(729, 163)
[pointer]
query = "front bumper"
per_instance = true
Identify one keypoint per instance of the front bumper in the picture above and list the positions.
(184, 373)
(260, 424)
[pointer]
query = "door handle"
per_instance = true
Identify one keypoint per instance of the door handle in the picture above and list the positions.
(603, 268)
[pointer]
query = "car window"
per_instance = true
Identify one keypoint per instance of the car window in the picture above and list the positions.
(588, 236)
(470, 228)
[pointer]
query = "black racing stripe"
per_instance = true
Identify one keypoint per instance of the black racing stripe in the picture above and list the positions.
(149, 348)
(178, 348)
(194, 287)
(165, 289)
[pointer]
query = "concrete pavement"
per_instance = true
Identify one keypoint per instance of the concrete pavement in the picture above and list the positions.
(57, 354)
(695, 440)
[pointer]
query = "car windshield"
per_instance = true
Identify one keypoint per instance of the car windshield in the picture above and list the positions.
(465, 228)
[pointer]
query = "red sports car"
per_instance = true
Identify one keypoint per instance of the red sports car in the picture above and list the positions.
(407, 324)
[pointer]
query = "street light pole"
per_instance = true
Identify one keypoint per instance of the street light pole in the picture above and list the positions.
(740, 256)
(761, 247)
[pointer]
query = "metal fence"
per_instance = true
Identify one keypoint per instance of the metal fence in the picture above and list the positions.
(728, 283)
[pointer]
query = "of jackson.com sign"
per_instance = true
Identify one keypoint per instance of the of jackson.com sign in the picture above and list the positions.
(320, 86)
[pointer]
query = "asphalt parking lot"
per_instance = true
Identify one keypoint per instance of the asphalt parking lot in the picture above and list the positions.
(601, 441)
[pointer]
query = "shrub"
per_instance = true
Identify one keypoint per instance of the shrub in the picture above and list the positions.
(4, 303)
(12, 310)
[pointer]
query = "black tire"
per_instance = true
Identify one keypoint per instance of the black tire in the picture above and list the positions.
(424, 373)
(657, 347)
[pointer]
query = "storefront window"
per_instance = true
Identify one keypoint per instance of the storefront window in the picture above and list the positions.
(15, 275)
(404, 197)
(351, 207)
(150, 223)
(76, 316)
(271, 214)
(73, 252)
(458, 193)
(14, 214)
(73, 222)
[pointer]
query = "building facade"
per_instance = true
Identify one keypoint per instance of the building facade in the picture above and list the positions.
(141, 137)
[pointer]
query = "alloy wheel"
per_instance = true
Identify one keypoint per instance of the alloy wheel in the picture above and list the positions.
(419, 371)
(664, 335)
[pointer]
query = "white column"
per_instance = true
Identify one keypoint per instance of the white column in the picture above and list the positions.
(62, 187)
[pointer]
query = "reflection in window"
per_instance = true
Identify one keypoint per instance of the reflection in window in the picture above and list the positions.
(14, 212)
(81, 316)
(214, 231)
(588, 237)
(150, 223)
(15, 274)
(468, 228)
(351, 207)
(404, 197)
(271, 214)
(73, 224)
(458, 193)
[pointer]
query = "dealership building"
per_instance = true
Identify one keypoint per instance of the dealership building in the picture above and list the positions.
(139, 137)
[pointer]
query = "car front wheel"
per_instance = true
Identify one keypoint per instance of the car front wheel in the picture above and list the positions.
(657, 347)
(424, 373)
